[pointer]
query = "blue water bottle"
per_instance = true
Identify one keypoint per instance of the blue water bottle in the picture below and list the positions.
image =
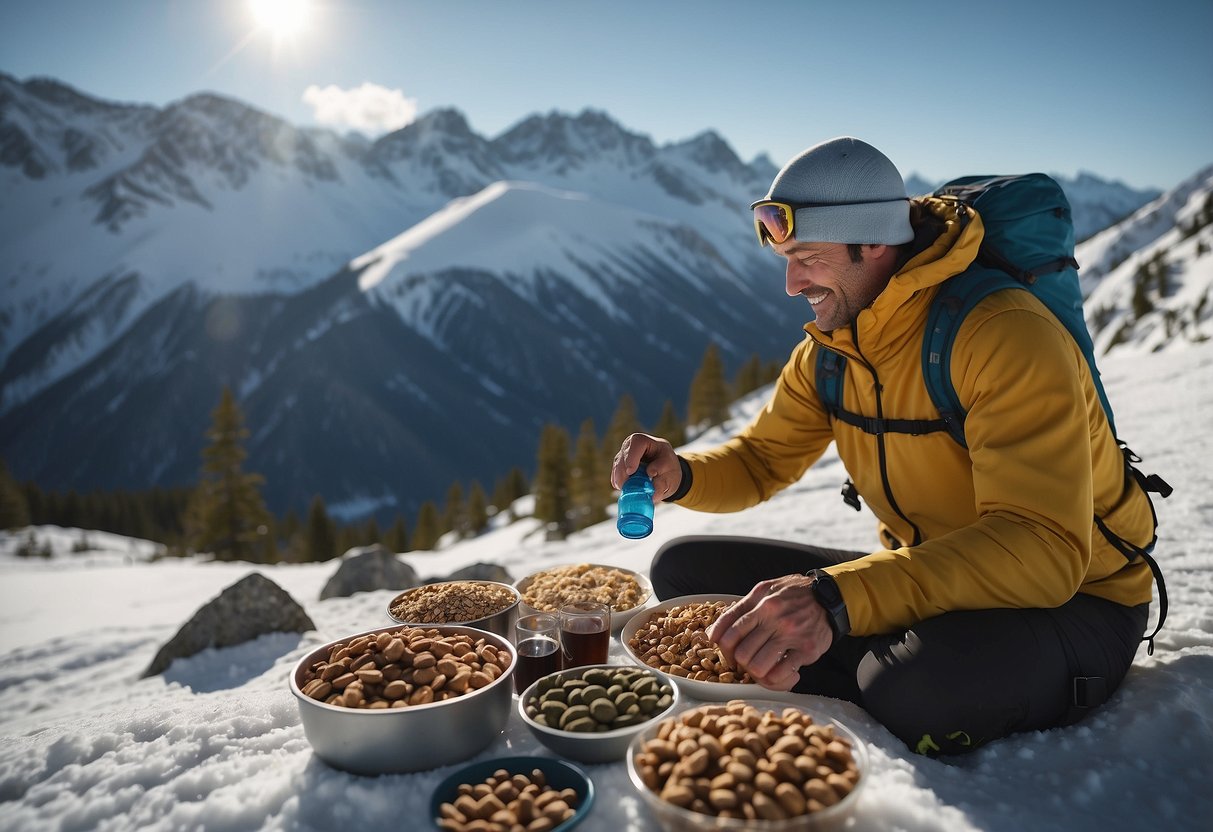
(636, 507)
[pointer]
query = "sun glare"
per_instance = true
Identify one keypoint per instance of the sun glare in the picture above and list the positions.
(281, 18)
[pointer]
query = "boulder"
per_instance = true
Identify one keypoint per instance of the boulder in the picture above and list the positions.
(366, 569)
(479, 572)
(249, 608)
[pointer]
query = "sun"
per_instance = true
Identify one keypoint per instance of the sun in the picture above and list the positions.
(281, 18)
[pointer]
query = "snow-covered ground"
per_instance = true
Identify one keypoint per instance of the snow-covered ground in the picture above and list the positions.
(216, 743)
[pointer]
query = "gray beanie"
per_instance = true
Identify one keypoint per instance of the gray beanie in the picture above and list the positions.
(859, 194)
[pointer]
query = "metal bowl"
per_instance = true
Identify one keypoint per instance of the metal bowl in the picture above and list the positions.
(676, 819)
(602, 747)
(415, 738)
(618, 616)
(557, 773)
(501, 623)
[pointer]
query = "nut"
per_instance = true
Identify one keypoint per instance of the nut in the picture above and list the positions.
(379, 682)
(675, 641)
(485, 807)
(736, 761)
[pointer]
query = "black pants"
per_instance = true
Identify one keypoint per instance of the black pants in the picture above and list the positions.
(948, 684)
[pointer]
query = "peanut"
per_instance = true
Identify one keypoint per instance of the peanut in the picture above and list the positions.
(675, 641)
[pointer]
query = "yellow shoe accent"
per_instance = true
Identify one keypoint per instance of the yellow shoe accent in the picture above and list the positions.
(926, 745)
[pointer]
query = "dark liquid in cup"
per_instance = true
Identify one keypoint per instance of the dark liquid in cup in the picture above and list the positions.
(586, 641)
(537, 657)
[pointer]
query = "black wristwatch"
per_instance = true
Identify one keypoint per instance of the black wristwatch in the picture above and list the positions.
(825, 589)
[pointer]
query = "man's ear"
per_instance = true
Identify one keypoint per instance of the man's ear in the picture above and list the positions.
(875, 251)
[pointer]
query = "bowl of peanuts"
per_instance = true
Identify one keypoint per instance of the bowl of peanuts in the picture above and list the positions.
(400, 699)
(672, 637)
(538, 794)
(623, 590)
(748, 765)
(485, 605)
(592, 713)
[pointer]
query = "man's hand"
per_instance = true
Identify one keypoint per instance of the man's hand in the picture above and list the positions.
(775, 630)
(659, 461)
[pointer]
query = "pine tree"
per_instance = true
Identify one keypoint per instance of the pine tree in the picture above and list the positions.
(428, 530)
(709, 397)
(348, 537)
(477, 509)
(622, 425)
(589, 480)
(290, 525)
(669, 426)
(508, 489)
(320, 535)
(552, 501)
(14, 507)
(269, 543)
(749, 377)
(518, 486)
(370, 533)
(227, 516)
(454, 514)
(37, 501)
(1140, 301)
(397, 539)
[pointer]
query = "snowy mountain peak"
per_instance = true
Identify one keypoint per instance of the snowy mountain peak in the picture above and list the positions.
(48, 128)
(564, 142)
(1148, 279)
(713, 153)
(517, 229)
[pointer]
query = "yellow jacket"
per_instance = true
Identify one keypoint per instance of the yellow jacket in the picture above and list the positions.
(1008, 522)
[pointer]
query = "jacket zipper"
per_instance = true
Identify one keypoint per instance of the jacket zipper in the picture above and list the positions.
(880, 448)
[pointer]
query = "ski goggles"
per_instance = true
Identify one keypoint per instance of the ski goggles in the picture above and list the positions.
(774, 221)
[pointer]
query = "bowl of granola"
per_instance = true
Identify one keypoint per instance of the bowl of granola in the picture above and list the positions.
(485, 605)
(623, 590)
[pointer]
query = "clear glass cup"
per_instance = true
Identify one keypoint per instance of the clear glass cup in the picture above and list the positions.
(585, 633)
(537, 638)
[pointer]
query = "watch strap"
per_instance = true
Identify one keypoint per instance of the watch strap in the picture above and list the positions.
(827, 593)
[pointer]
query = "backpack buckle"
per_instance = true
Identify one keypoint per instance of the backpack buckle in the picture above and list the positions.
(850, 495)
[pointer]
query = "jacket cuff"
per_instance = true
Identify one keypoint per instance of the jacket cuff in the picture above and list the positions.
(684, 486)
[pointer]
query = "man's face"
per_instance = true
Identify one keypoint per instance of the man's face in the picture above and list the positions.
(835, 286)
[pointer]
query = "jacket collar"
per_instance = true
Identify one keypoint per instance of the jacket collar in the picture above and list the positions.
(899, 311)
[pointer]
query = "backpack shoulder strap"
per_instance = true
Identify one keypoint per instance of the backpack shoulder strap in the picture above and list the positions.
(830, 369)
(952, 303)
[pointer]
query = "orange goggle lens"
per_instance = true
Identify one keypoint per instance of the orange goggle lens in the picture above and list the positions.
(773, 222)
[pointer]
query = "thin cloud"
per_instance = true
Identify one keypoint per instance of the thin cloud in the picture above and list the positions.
(369, 108)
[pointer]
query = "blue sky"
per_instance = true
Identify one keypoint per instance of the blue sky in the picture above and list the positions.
(1120, 89)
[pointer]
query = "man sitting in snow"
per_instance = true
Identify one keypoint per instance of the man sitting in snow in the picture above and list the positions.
(991, 606)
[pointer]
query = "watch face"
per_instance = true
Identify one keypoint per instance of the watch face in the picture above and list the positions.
(824, 588)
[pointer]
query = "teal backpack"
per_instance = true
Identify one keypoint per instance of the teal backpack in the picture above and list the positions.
(1028, 245)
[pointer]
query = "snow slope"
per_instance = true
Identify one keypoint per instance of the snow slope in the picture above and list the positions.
(217, 743)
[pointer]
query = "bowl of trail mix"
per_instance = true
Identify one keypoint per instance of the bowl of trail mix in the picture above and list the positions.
(623, 590)
(485, 605)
